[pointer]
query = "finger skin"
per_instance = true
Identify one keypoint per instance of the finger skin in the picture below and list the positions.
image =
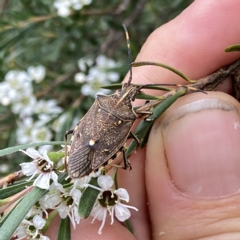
(193, 43)
(174, 214)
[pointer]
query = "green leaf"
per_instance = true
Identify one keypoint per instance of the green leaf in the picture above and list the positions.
(116, 86)
(233, 48)
(143, 129)
(51, 216)
(139, 64)
(129, 226)
(10, 150)
(64, 231)
(56, 156)
(3, 219)
(11, 190)
(21, 210)
(88, 199)
(113, 86)
(13, 220)
(146, 96)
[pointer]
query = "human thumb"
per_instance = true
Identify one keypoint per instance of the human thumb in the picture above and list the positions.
(192, 169)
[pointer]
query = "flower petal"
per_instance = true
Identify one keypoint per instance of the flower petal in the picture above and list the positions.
(98, 212)
(105, 182)
(45, 157)
(121, 213)
(63, 210)
(42, 181)
(76, 194)
(33, 153)
(38, 222)
(122, 194)
(29, 169)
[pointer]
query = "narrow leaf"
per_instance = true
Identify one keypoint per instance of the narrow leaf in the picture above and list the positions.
(10, 150)
(143, 129)
(146, 96)
(13, 220)
(129, 226)
(51, 216)
(17, 215)
(16, 188)
(88, 199)
(139, 64)
(64, 231)
(6, 202)
(233, 48)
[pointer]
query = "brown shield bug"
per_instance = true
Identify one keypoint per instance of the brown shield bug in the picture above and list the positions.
(104, 129)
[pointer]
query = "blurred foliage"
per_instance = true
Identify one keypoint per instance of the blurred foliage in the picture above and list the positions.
(33, 34)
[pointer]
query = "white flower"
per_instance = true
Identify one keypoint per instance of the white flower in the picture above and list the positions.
(41, 134)
(36, 210)
(31, 229)
(104, 63)
(63, 11)
(42, 166)
(63, 7)
(65, 201)
(80, 77)
(44, 148)
(5, 99)
(38, 222)
(24, 104)
(58, 123)
(47, 107)
(4, 168)
(97, 76)
(17, 79)
(16, 85)
(109, 201)
(43, 119)
(85, 62)
(80, 183)
(37, 73)
(51, 200)
(24, 130)
(94, 80)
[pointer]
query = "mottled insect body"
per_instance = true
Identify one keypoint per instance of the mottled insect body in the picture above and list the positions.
(102, 132)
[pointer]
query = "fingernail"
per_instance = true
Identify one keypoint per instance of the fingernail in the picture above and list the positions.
(202, 146)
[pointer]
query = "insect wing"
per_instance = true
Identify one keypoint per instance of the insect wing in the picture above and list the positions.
(81, 153)
(113, 133)
(80, 162)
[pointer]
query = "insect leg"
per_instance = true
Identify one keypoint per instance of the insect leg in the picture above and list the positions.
(67, 133)
(144, 113)
(127, 163)
(131, 135)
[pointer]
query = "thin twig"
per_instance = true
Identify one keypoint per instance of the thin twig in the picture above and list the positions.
(12, 177)
(208, 83)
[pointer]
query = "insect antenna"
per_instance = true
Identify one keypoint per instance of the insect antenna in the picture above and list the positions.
(129, 54)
